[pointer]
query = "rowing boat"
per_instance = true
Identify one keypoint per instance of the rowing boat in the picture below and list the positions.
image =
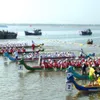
(24, 52)
(19, 45)
(6, 54)
(86, 88)
(39, 67)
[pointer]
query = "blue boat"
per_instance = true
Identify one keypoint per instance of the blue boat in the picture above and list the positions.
(6, 54)
(94, 88)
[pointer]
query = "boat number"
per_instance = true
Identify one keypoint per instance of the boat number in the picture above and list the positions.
(20, 67)
(69, 86)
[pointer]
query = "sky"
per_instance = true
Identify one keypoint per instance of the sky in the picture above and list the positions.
(50, 11)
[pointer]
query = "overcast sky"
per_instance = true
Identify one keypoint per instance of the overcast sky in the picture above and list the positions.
(50, 11)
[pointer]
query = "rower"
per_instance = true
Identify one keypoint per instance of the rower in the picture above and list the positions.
(19, 50)
(11, 50)
(16, 54)
(91, 75)
(23, 50)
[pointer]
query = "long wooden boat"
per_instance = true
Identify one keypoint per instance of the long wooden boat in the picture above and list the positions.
(6, 54)
(87, 88)
(20, 45)
(39, 67)
(25, 52)
(75, 74)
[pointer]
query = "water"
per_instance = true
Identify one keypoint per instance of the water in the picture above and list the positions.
(42, 85)
(61, 32)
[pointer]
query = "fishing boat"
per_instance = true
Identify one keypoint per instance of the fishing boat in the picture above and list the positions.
(36, 32)
(86, 32)
(86, 88)
(75, 74)
(7, 35)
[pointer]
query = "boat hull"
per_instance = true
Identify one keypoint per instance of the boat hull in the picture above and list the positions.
(30, 33)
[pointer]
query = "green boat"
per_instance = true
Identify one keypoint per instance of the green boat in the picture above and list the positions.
(75, 74)
(39, 67)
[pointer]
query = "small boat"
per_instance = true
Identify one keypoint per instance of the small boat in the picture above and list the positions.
(75, 74)
(90, 41)
(36, 32)
(86, 32)
(87, 88)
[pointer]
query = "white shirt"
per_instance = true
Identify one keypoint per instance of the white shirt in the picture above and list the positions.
(16, 54)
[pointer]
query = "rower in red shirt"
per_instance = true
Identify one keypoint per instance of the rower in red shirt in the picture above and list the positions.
(2, 50)
(23, 50)
(11, 50)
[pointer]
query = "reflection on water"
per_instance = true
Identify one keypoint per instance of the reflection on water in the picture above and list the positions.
(87, 96)
(69, 96)
(82, 96)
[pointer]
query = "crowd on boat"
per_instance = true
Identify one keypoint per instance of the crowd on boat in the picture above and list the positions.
(20, 47)
(90, 70)
(89, 41)
(14, 45)
(12, 49)
(58, 54)
(73, 62)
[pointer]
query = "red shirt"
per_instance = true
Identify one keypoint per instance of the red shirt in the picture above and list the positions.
(23, 50)
(11, 50)
(33, 46)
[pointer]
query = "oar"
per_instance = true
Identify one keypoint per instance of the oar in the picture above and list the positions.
(61, 67)
(55, 69)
